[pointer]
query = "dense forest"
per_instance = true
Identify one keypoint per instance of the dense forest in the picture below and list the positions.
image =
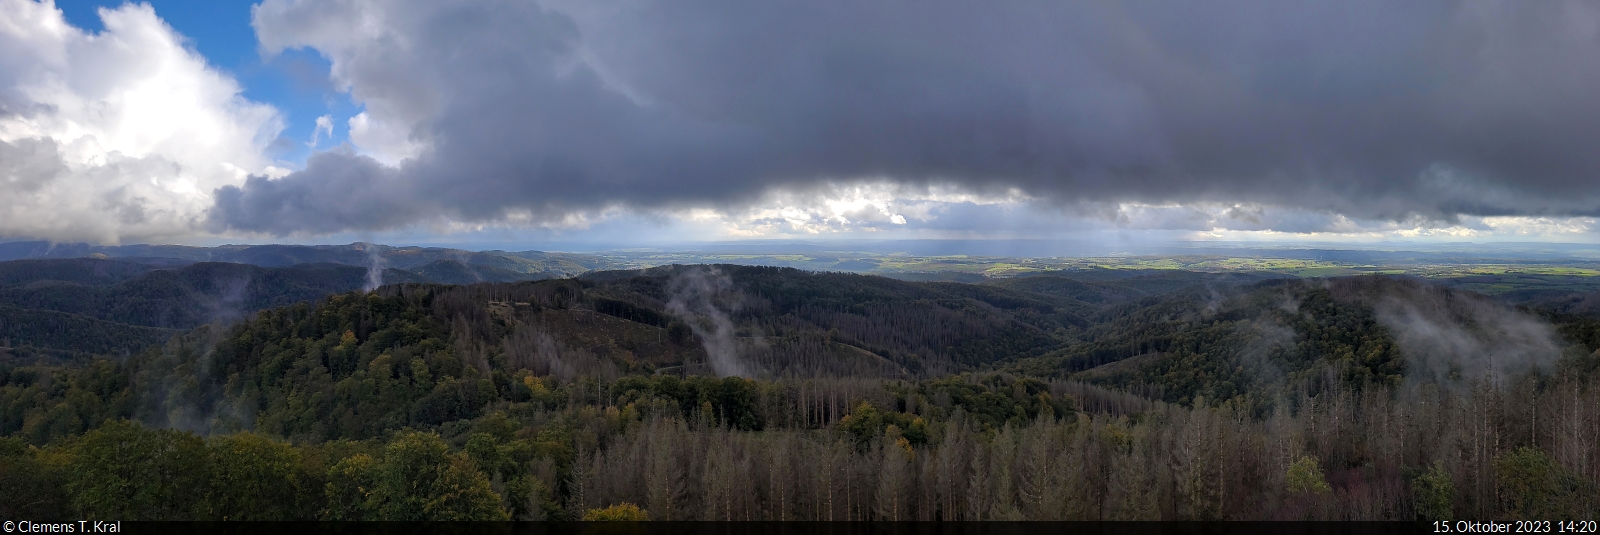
(537, 264)
(734, 393)
(99, 306)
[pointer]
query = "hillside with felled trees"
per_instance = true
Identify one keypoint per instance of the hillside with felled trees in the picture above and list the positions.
(752, 393)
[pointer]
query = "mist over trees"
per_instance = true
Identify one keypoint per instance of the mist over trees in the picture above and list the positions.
(868, 398)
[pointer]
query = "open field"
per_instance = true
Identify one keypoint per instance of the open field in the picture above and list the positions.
(1492, 277)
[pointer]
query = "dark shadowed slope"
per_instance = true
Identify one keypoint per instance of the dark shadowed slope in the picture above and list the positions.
(1255, 343)
(530, 264)
(86, 304)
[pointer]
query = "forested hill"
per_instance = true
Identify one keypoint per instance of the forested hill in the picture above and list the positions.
(121, 305)
(478, 266)
(600, 397)
(326, 371)
(471, 341)
(90, 305)
(1277, 339)
(924, 328)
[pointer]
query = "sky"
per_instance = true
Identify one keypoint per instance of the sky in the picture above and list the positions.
(642, 122)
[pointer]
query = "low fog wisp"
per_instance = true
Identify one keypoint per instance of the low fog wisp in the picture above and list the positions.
(693, 296)
(1449, 336)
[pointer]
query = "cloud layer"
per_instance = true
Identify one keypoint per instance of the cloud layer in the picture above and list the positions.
(124, 134)
(484, 110)
(919, 119)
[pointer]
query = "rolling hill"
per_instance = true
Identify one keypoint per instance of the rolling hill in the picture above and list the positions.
(545, 391)
(529, 265)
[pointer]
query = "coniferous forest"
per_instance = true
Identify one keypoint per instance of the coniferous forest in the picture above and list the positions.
(754, 393)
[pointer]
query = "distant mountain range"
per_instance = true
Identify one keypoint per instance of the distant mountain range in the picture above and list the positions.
(78, 298)
(449, 266)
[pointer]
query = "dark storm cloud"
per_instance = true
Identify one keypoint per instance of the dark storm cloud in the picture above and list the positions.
(1369, 109)
(337, 190)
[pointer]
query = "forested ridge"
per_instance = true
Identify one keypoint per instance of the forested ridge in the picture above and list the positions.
(102, 306)
(543, 264)
(867, 398)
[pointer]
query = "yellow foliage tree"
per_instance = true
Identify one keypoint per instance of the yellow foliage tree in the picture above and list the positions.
(624, 512)
(1305, 476)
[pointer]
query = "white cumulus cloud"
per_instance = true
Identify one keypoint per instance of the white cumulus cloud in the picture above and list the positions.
(381, 141)
(118, 135)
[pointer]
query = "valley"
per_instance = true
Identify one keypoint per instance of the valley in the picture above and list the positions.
(562, 395)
